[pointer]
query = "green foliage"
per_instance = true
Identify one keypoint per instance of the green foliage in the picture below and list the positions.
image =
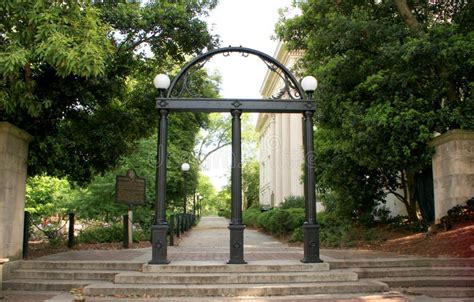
(297, 235)
(250, 182)
(296, 218)
(250, 216)
(293, 202)
(101, 234)
(47, 196)
(385, 86)
(79, 74)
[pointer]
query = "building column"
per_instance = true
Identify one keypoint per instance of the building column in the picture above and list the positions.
(159, 229)
(13, 165)
(236, 227)
(286, 157)
(278, 158)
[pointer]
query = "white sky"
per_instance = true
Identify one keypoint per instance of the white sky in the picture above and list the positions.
(247, 23)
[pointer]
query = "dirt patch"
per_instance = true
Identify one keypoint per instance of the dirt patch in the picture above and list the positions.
(457, 242)
(40, 249)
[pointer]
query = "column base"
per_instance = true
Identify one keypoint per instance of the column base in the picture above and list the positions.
(159, 249)
(311, 243)
(236, 244)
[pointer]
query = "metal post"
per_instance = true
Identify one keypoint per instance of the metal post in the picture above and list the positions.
(125, 231)
(172, 230)
(26, 234)
(236, 227)
(160, 227)
(178, 226)
(311, 226)
(184, 188)
(70, 237)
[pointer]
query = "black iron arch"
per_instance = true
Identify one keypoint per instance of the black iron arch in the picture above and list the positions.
(292, 87)
(175, 102)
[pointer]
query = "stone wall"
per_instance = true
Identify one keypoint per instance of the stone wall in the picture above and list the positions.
(453, 170)
(13, 156)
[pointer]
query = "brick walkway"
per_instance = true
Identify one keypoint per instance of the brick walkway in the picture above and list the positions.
(209, 241)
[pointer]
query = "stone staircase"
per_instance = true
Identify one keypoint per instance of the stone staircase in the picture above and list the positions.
(215, 279)
(63, 275)
(439, 278)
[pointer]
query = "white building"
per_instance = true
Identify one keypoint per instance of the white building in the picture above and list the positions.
(281, 146)
(281, 142)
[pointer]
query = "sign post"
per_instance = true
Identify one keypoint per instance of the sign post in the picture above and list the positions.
(130, 190)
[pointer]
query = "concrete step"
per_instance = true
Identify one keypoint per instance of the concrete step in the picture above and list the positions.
(81, 265)
(251, 267)
(353, 297)
(440, 292)
(46, 285)
(105, 275)
(222, 290)
(428, 281)
(236, 278)
(413, 272)
(402, 262)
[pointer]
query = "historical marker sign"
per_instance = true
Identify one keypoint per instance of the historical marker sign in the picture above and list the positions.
(130, 189)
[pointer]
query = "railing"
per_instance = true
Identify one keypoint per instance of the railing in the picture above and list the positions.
(180, 223)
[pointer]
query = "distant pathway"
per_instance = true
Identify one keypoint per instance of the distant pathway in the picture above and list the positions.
(209, 241)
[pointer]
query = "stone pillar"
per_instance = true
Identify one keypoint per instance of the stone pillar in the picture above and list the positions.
(278, 159)
(453, 170)
(13, 156)
(286, 158)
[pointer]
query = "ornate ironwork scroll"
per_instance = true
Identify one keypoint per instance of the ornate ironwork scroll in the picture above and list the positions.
(184, 83)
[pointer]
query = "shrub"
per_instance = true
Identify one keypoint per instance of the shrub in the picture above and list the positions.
(295, 218)
(263, 219)
(224, 213)
(278, 222)
(250, 217)
(293, 202)
(100, 234)
(297, 235)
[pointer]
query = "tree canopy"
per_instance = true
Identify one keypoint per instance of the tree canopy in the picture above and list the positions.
(77, 75)
(391, 73)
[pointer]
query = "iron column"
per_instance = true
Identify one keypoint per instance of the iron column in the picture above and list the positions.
(160, 226)
(311, 226)
(236, 227)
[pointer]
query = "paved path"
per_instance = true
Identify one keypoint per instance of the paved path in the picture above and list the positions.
(209, 241)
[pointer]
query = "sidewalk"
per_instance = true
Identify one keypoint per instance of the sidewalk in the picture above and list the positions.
(209, 241)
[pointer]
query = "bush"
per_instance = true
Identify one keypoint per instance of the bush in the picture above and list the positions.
(224, 213)
(278, 222)
(296, 218)
(297, 235)
(101, 234)
(263, 219)
(250, 217)
(293, 202)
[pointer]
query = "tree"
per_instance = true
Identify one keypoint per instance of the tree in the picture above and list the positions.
(391, 73)
(250, 183)
(76, 74)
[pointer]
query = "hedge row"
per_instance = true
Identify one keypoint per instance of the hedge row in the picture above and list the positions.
(277, 221)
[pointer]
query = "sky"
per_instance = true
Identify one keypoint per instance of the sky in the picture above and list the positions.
(247, 23)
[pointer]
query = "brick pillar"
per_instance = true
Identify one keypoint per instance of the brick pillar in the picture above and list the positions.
(13, 156)
(453, 170)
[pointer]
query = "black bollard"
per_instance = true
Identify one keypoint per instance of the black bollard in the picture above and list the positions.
(26, 234)
(125, 231)
(70, 238)
(171, 230)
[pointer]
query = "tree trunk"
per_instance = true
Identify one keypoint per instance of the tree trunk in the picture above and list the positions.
(411, 205)
(407, 16)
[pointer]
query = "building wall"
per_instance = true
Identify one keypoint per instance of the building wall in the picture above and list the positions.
(281, 143)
